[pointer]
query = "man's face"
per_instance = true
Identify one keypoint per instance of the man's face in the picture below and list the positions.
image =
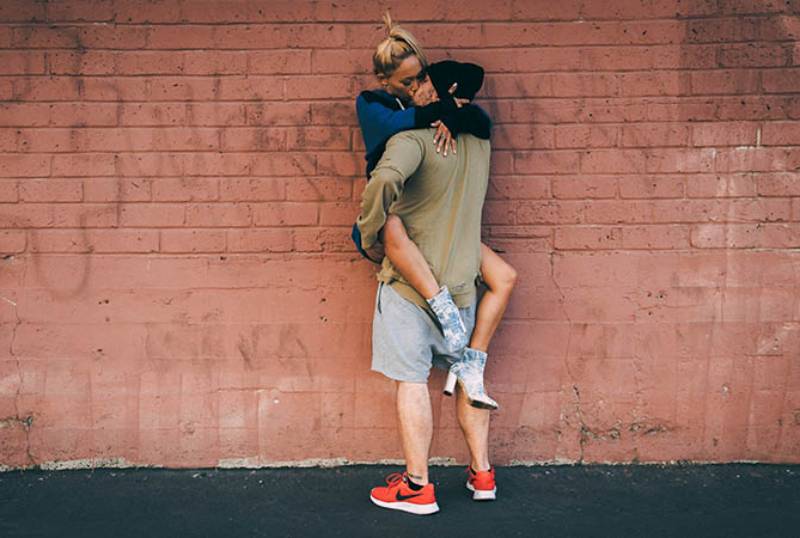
(426, 93)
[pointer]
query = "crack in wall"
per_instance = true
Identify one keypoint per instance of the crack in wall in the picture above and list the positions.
(27, 421)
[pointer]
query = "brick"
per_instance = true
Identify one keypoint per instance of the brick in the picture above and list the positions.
(47, 89)
(21, 63)
(9, 191)
(777, 184)
(22, 11)
(655, 135)
(757, 108)
(100, 241)
(323, 189)
(781, 134)
(251, 88)
(116, 190)
(185, 189)
(252, 189)
(508, 136)
(144, 215)
(254, 139)
(588, 187)
(328, 239)
(653, 84)
(679, 160)
(12, 241)
(274, 114)
(193, 240)
(757, 159)
(338, 214)
(332, 114)
(546, 162)
(586, 136)
(218, 215)
(319, 87)
(83, 164)
(612, 161)
(721, 186)
(549, 212)
(725, 134)
(724, 82)
(149, 11)
(280, 36)
(214, 63)
(284, 164)
(269, 240)
(340, 164)
(746, 236)
(781, 80)
(82, 114)
(518, 187)
(182, 37)
(51, 190)
(656, 237)
(588, 238)
(327, 138)
(753, 55)
(289, 62)
(146, 114)
(21, 165)
(655, 186)
(215, 164)
(89, 10)
(285, 214)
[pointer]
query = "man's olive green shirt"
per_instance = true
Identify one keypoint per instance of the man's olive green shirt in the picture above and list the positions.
(439, 199)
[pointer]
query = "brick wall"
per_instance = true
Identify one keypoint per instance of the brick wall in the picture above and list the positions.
(178, 178)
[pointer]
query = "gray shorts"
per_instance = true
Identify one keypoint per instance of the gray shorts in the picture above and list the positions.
(406, 341)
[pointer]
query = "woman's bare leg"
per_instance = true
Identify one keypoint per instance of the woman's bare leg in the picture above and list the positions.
(407, 259)
(500, 278)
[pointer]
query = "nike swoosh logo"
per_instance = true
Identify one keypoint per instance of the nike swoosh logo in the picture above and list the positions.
(401, 497)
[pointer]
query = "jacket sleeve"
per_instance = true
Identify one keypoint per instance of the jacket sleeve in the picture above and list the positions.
(379, 122)
(469, 119)
(403, 155)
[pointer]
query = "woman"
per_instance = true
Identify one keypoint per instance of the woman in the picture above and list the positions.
(400, 66)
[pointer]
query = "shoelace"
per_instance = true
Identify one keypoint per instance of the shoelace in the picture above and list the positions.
(394, 478)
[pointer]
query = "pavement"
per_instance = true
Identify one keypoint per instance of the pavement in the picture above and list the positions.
(747, 500)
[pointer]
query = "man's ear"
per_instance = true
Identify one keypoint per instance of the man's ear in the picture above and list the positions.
(383, 80)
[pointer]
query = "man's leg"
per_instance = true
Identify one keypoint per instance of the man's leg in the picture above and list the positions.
(416, 428)
(474, 425)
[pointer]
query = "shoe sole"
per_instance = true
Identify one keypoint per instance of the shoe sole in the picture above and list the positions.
(411, 508)
(482, 494)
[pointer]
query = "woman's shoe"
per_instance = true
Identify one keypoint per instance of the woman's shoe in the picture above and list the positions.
(453, 329)
(469, 373)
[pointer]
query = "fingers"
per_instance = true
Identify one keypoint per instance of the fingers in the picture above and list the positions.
(460, 101)
(453, 88)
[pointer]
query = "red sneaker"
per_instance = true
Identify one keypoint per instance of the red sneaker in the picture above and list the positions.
(399, 496)
(482, 484)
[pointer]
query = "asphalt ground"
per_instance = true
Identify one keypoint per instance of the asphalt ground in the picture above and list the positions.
(747, 500)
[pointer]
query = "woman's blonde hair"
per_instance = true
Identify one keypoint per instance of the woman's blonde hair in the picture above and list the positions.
(398, 45)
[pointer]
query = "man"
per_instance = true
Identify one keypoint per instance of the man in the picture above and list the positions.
(440, 202)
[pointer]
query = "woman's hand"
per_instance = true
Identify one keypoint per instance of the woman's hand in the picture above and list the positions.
(443, 138)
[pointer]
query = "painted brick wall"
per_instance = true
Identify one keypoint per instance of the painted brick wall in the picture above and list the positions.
(178, 178)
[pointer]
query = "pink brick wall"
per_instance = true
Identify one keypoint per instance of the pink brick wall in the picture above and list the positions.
(177, 181)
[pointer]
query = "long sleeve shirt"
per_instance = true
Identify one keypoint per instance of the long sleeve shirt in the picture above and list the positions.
(439, 199)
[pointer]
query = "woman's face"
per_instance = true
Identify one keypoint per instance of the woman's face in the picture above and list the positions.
(405, 80)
